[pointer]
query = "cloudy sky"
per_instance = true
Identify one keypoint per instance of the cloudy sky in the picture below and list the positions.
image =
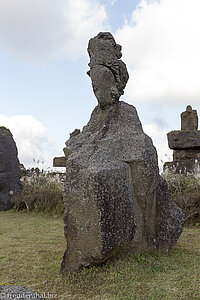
(45, 92)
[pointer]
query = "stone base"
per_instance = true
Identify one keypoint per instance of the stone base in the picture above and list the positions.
(115, 200)
(184, 139)
(185, 161)
(186, 154)
(184, 166)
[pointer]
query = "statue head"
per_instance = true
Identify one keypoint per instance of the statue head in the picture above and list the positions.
(102, 48)
(189, 108)
(108, 73)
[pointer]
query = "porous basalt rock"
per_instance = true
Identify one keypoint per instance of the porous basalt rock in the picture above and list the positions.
(75, 132)
(10, 173)
(184, 139)
(108, 73)
(115, 199)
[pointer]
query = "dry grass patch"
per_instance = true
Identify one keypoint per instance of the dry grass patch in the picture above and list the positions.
(31, 250)
(185, 192)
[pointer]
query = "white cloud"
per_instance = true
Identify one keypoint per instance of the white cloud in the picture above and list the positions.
(31, 139)
(159, 137)
(41, 29)
(161, 46)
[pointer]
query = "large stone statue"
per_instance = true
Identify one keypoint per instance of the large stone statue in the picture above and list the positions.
(9, 169)
(115, 199)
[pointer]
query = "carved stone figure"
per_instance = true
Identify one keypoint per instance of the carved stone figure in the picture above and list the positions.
(115, 200)
(189, 119)
(108, 73)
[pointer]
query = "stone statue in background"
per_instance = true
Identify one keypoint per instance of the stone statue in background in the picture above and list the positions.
(115, 199)
(189, 119)
(186, 146)
(10, 173)
(108, 73)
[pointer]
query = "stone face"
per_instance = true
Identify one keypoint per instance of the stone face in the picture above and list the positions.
(9, 169)
(17, 292)
(189, 119)
(108, 73)
(184, 139)
(115, 199)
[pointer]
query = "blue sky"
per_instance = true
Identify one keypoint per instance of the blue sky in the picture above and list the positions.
(45, 92)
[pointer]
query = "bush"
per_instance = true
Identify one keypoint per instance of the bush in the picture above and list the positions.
(41, 192)
(185, 191)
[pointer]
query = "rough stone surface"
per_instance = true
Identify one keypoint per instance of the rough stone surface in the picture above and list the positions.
(115, 199)
(17, 292)
(9, 169)
(184, 139)
(186, 154)
(189, 119)
(108, 73)
(75, 132)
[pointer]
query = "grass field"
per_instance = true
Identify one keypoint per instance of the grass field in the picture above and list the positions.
(31, 249)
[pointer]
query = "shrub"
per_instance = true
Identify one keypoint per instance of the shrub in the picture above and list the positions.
(41, 192)
(185, 191)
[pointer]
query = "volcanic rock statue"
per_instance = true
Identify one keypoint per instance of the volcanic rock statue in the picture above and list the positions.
(186, 145)
(108, 73)
(115, 199)
(9, 169)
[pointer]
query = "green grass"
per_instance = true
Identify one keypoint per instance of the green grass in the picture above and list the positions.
(31, 250)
